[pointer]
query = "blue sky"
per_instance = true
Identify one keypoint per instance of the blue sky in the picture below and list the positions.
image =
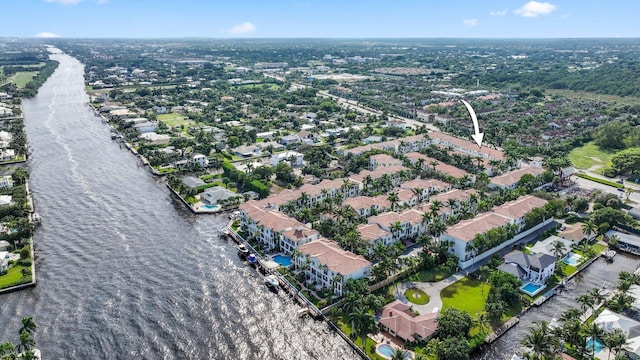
(320, 18)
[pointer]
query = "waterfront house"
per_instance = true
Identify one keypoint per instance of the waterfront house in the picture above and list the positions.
(608, 320)
(192, 182)
(146, 127)
(214, 194)
(546, 246)
(274, 229)
(6, 200)
(4, 260)
(4, 245)
(7, 154)
(399, 320)
(626, 242)
(155, 139)
(537, 268)
(6, 182)
(329, 266)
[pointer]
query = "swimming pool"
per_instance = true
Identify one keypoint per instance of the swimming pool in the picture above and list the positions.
(387, 351)
(596, 345)
(532, 289)
(283, 260)
(211, 207)
(572, 259)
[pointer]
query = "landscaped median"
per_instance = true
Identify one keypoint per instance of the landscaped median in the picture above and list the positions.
(601, 181)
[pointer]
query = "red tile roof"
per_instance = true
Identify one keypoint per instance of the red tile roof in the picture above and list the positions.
(397, 317)
(329, 253)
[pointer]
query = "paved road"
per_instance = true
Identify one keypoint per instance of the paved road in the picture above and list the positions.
(432, 289)
(588, 184)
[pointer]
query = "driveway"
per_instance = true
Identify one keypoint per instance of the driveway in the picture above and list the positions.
(431, 288)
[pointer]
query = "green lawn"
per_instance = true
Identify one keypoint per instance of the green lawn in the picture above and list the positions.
(466, 295)
(22, 78)
(174, 119)
(13, 276)
(568, 270)
(597, 248)
(416, 296)
(433, 275)
(589, 155)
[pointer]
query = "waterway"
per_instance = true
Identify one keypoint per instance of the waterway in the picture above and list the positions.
(124, 270)
(601, 274)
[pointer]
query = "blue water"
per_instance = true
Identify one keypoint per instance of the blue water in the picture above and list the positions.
(387, 351)
(211, 206)
(283, 260)
(531, 288)
(595, 344)
(573, 259)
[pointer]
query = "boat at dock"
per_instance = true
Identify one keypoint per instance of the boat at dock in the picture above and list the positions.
(253, 259)
(609, 254)
(243, 252)
(272, 282)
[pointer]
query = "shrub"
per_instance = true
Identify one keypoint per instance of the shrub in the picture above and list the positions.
(25, 253)
(24, 262)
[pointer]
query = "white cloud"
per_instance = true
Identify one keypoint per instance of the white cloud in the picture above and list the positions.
(535, 9)
(64, 2)
(470, 22)
(241, 29)
(499, 12)
(47, 35)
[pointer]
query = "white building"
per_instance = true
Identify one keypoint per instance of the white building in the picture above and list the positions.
(6, 182)
(513, 212)
(199, 159)
(329, 266)
(537, 268)
(293, 158)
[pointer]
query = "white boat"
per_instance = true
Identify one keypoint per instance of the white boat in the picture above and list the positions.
(272, 281)
(242, 250)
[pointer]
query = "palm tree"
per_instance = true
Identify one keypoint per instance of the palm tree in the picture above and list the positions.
(540, 340)
(393, 199)
(585, 301)
(595, 332)
(558, 248)
(588, 228)
(400, 354)
(396, 227)
(615, 341)
(437, 227)
(434, 163)
(28, 325)
(362, 322)
(482, 320)
(597, 295)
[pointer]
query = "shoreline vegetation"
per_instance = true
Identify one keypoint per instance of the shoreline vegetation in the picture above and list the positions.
(18, 218)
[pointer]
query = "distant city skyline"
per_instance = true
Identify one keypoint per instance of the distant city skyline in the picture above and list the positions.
(320, 19)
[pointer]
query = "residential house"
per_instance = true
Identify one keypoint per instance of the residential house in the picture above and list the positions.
(247, 150)
(146, 127)
(290, 140)
(365, 206)
(6, 182)
(200, 160)
(509, 180)
(466, 146)
(429, 163)
(6, 200)
(536, 268)
(214, 194)
(329, 266)
(155, 139)
(547, 246)
(192, 182)
(7, 154)
(274, 229)
(425, 187)
(374, 233)
(4, 260)
(399, 320)
(292, 158)
(608, 321)
(383, 160)
(399, 146)
(510, 213)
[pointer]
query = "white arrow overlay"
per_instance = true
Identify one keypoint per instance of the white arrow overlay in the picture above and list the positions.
(477, 136)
